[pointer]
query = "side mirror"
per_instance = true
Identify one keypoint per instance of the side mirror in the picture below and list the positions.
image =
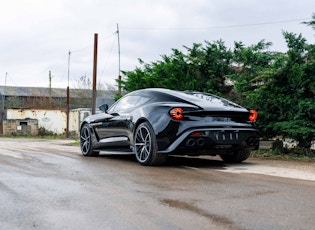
(103, 108)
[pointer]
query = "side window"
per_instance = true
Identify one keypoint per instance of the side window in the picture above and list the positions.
(128, 102)
(143, 100)
(125, 103)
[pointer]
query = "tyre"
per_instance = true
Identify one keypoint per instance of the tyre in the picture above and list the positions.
(145, 146)
(236, 156)
(86, 142)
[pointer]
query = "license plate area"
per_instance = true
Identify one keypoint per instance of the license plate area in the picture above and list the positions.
(228, 136)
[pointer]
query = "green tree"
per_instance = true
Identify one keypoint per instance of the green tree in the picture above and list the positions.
(211, 66)
(203, 68)
(280, 86)
(311, 23)
(286, 97)
(250, 62)
(299, 97)
(171, 72)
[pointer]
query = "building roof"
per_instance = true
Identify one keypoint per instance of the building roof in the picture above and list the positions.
(47, 92)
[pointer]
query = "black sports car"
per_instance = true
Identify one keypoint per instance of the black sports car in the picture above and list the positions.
(154, 123)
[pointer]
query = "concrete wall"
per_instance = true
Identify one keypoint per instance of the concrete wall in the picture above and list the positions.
(51, 120)
(20, 127)
(76, 116)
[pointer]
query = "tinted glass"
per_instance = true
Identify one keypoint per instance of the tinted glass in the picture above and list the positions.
(143, 100)
(125, 103)
(128, 102)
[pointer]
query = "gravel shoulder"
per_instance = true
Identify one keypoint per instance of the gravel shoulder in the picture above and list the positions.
(305, 166)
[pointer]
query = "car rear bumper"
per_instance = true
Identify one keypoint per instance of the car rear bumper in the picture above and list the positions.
(214, 139)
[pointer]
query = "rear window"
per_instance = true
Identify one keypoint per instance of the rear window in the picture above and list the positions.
(214, 100)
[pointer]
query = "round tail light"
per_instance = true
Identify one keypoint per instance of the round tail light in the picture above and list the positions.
(177, 113)
(253, 115)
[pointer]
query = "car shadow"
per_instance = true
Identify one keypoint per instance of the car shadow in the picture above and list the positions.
(194, 162)
(177, 161)
(126, 157)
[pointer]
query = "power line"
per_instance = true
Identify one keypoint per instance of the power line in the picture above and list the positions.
(112, 35)
(90, 46)
(109, 54)
(9, 75)
(219, 27)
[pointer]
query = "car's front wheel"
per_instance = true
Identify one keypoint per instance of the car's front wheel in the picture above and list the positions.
(236, 156)
(145, 146)
(86, 142)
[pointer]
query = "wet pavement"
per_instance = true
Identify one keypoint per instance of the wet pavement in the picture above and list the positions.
(48, 184)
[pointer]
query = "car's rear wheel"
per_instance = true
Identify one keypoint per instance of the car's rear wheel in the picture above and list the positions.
(86, 142)
(236, 156)
(146, 146)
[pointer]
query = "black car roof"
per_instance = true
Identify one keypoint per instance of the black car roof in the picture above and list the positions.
(203, 100)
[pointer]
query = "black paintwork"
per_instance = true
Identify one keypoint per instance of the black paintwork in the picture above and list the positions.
(223, 125)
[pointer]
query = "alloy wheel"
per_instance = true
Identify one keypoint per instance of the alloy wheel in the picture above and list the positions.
(85, 140)
(143, 144)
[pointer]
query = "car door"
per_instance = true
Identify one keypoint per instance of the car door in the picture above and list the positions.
(117, 126)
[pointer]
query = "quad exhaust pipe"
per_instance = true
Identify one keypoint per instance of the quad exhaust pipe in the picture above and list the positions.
(191, 142)
(200, 142)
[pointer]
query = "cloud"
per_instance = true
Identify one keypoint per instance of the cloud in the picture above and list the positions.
(37, 35)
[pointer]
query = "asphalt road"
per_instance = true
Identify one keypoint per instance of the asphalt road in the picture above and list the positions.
(49, 185)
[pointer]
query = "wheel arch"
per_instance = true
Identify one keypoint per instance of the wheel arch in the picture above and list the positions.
(138, 122)
(88, 140)
(145, 148)
(136, 125)
(94, 133)
(82, 124)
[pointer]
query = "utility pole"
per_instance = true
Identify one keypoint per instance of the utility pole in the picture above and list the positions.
(119, 77)
(5, 83)
(49, 88)
(68, 96)
(3, 97)
(94, 74)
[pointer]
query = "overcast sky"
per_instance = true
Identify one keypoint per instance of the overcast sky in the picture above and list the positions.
(37, 35)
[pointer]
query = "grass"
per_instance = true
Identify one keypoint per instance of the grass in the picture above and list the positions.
(270, 154)
(44, 137)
